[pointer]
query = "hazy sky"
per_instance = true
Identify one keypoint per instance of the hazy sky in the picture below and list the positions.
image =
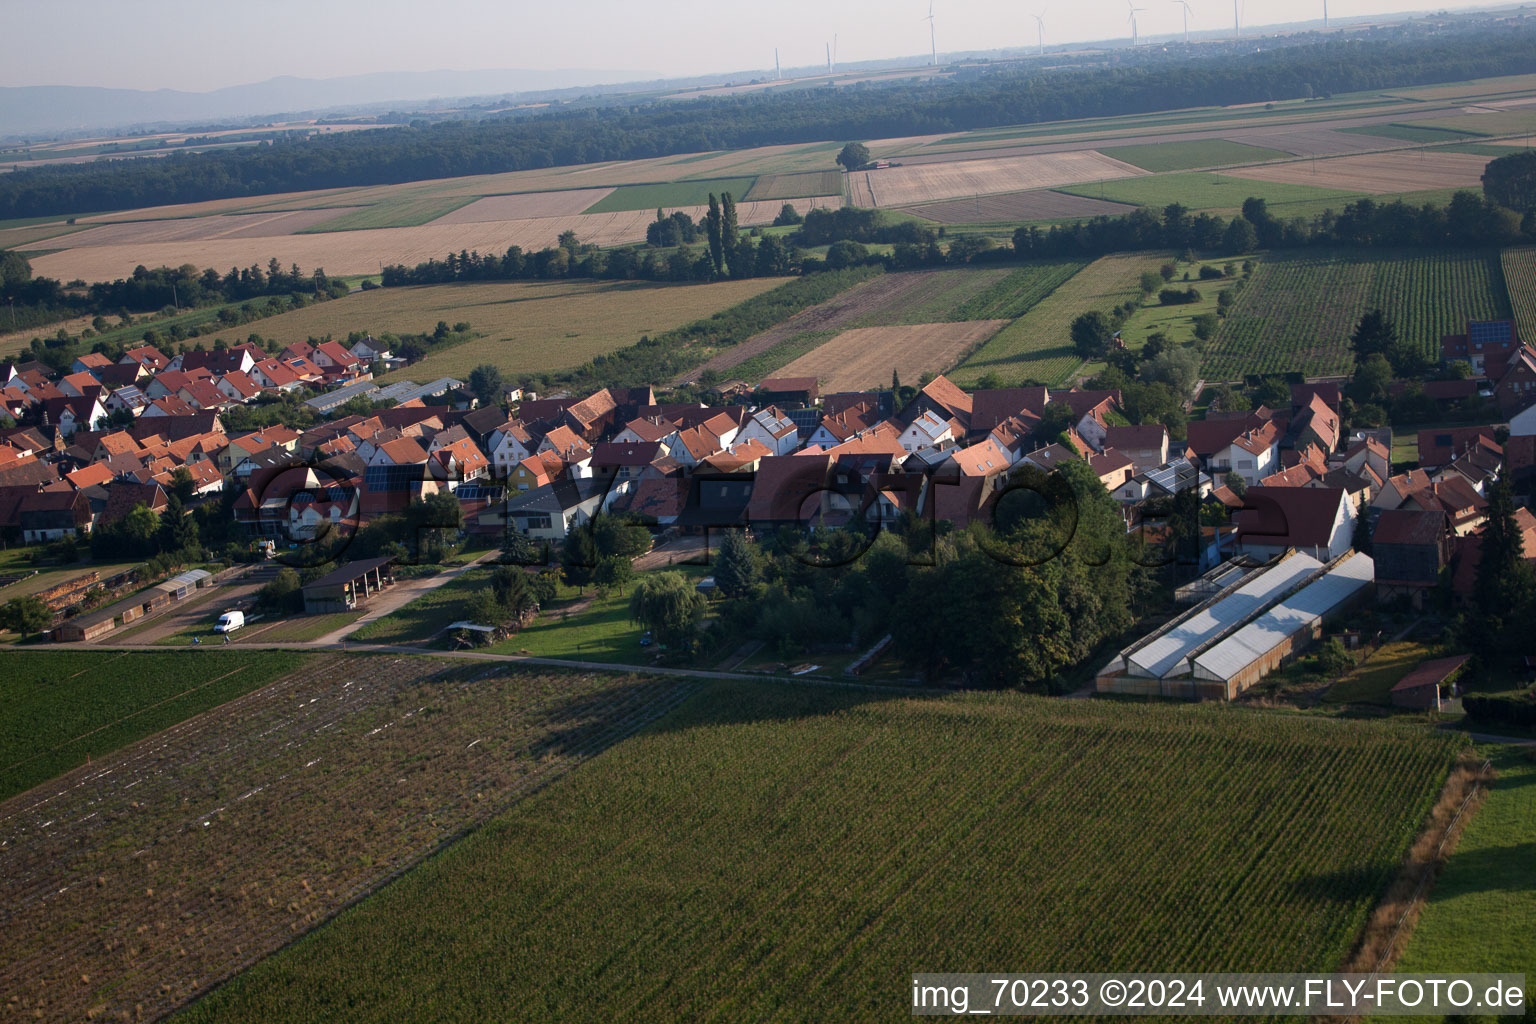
(199, 45)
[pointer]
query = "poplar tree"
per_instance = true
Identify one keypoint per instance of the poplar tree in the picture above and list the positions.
(714, 223)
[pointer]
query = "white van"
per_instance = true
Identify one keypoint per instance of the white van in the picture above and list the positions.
(229, 622)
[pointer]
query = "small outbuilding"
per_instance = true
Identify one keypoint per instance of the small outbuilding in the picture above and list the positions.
(1421, 688)
(347, 586)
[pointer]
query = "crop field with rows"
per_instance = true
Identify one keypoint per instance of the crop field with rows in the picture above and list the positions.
(141, 881)
(792, 853)
(59, 710)
(1299, 310)
(1520, 279)
(1038, 345)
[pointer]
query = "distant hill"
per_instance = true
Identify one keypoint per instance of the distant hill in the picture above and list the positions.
(63, 108)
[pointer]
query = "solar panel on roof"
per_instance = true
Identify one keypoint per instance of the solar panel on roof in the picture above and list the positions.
(1488, 332)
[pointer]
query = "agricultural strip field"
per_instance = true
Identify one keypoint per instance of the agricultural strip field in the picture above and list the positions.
(142, 880)
(743, 859)
(677, 193)
(1042, 204)
(1299, 309)
(865, 357)
(1408, 132)
(797, 186)
(342, 253)
(405, 214)
(1037, 345)
(526, 205)
(924, 183)
(1481, 914)
(910, 297)
(528, 326)
(1206, 192)
(60, 710)
(1376, 173)
(1520, 279)
(1182, 156)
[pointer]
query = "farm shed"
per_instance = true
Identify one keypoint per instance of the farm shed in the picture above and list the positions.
(1421, 688)
(1230, 666)
(86, 627)
(347, 586)
(1166, 653)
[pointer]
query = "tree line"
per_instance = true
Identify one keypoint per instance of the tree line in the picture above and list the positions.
(1107, 86)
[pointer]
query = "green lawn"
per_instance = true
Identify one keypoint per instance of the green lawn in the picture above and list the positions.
(1372, 680)
(599, 631)
(58, 709)
(1481, 914)
(425, 616)
(675, 193)
(1181, 156)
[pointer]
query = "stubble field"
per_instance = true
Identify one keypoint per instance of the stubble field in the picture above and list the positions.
(1376, 173)
(925, 183)
(866, 356)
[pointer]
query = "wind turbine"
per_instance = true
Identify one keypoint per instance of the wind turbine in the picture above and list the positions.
(932, 40)
(1040, 31)
(1185, 4)
(1237, 20)
(1134, 9)
(1325, 14)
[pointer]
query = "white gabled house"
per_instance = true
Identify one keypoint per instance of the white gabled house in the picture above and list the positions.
(773, 430)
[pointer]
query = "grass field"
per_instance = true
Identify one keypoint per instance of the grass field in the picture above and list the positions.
(528, 326)
(1520, 279)
(796, 186)
(1481, 914)
(60, 709)
(1036, 346)
(1177, 322)
(743, 859)
(677, 193)
(425, 616)
(1299, 309)
(587, 628)
(1204, 191)
(1181, 156)
(403, 214)
(1371, 681)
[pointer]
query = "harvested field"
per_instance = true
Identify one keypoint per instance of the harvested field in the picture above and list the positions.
(404, 213)
(1377, 173)
(10, 238)
(1019, 206)
(197, 229)
(1038, 346)
(844, 311)
(1489, 121)
(528, 326)
(1410, 133)
(342, 253)
(923, 183)
(797, 186)
(143, 879)
(525, 206)
(866, 356)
